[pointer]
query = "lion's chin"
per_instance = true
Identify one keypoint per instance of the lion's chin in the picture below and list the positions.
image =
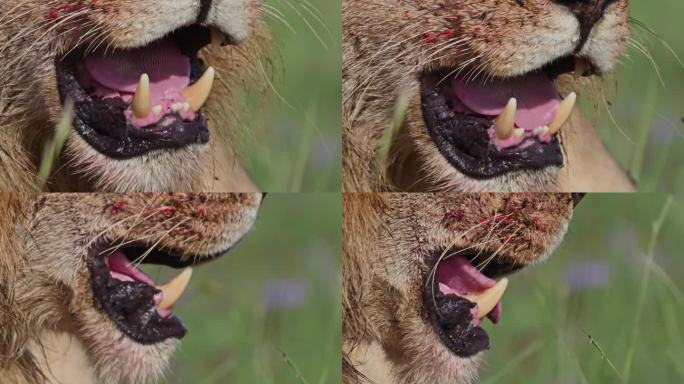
(157, 171)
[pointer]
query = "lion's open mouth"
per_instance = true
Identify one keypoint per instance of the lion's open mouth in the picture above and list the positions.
(463, 291)
(131, 101)
(140, 308)
(486, 127)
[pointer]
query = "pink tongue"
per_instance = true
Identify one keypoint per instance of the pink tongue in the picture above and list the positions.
(456, 275)
(122, 269)
(167, 67)
(536, 95)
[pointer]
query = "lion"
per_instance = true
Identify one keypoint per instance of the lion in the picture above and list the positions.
(422, 271)
(477, 95)
(156, 93)
(74, 307)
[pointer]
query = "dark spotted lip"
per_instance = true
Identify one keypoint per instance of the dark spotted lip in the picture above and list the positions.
(463, 140)
(130, 304)
(102, 123)
(451, 316)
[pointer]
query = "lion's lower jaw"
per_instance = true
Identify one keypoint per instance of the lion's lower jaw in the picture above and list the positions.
(430, 366)
(429, 171)
(158, 171)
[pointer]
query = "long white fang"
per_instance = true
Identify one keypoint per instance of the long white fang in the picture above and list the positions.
(142, 105)
(562, 113)
(487, 300)
(197, 94)
(173, 289)
(505, 123)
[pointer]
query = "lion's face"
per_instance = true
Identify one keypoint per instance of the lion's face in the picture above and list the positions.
(146, 79)
(480, 78)
(80, 269)
(421, 271)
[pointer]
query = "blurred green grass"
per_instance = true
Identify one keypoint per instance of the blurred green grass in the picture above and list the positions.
(269, 311)
(648, 112)
(295, 140)
(594, 286)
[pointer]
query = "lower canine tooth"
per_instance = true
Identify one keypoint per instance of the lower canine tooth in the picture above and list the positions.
(197, 94)
(141, 104)
(562, 113)
(173, 290)
(487, 300)
(505, 123)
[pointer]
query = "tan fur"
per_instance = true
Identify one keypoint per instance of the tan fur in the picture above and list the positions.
(387, 242)
(30, 40)
(46, 298)
(387, 46)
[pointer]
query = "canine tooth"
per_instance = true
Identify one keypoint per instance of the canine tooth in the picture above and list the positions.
(505, 123)
(562, 113)
(157, 110)
(197, 94)
(519, 132)
(141, 104)
(487, 300)
(173, 289)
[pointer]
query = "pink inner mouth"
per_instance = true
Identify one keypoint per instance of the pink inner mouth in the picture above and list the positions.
(536, 95)
(122, 269)
(457, 276)
(116, 74)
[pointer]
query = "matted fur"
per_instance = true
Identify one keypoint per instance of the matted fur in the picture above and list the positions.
(387, 45)
(388, 240)
(45, 283)
(33, 33)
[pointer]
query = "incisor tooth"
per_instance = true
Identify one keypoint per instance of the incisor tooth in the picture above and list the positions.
(173, 289)
(562, 113)
(505, 123)
(141, 104)
(197, 94)
(487, 300)
(519, 132)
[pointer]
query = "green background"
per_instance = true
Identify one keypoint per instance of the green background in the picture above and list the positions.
(294, 142)
(647, 137)
(270, 310)
(595, 285)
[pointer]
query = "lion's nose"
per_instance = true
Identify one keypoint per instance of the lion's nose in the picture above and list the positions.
(588, 12)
